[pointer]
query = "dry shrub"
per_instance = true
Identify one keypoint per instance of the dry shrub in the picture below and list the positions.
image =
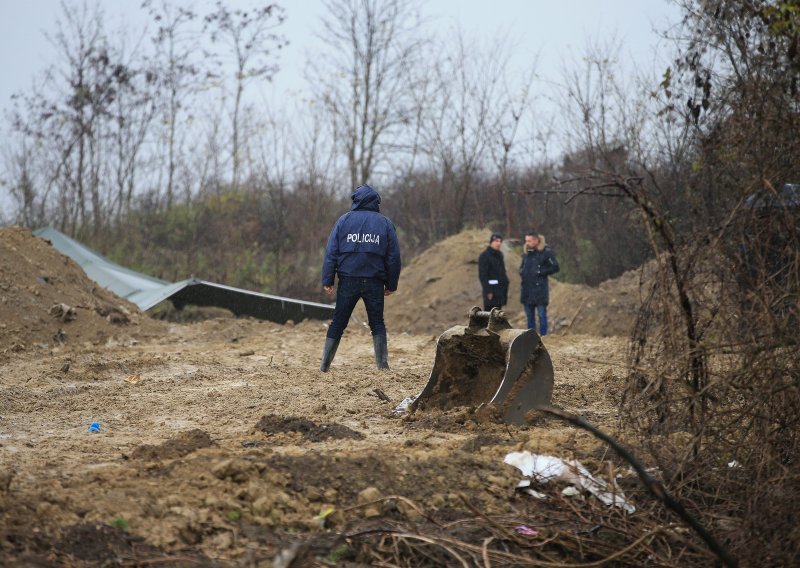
(559, 532)
(714, 387)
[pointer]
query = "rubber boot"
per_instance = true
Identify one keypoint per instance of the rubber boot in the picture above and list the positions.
(328, 353)
(381, 351)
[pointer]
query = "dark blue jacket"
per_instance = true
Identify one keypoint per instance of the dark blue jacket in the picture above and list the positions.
(363, 243)
(536, 265)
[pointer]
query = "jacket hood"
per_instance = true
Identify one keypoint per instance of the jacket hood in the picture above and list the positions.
(365, 199)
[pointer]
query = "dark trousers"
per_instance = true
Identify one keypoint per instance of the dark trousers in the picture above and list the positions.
(349, 292)
(489, 304)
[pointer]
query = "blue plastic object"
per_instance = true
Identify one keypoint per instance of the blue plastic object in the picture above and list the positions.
(94, 427)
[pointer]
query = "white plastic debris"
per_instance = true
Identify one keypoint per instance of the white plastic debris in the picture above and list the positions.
(544, 469)
(525, 487)
(402, 408)
(286, 557)
(533, 493)
(541, 468)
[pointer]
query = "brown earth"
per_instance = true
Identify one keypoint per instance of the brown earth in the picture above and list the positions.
(36, 280)
(221, 443)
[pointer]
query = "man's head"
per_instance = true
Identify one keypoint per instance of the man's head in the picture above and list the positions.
(532, 239)
(496, 241)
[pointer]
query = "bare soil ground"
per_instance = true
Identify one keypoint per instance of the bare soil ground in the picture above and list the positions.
(220, 443)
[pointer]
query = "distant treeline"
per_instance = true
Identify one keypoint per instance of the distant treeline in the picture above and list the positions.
(267, 239)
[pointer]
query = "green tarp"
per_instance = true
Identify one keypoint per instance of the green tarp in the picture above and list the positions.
(146, 291)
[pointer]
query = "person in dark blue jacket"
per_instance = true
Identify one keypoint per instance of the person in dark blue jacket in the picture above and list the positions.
(363, 250)
(538, 262)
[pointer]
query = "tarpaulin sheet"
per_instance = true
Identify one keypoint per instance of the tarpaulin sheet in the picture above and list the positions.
(146, 291)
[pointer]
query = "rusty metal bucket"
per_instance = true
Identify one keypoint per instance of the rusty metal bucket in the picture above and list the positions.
(489, 363)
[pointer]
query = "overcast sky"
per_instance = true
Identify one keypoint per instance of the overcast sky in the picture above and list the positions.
(555, 30)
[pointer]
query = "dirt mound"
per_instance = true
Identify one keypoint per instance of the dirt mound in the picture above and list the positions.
(94, 544)
(438, 287)
(181, 445)
(47, 300)
(606, 310)
(101, 544)
(312, 432)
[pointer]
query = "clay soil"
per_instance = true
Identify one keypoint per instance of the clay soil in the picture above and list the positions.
(220, 443)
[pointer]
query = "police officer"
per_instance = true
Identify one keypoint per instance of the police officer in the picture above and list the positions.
(363, 250)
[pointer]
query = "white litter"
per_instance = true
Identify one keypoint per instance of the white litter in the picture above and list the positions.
(535, 494)
(525, 487)
(402, 408)
(543, 469)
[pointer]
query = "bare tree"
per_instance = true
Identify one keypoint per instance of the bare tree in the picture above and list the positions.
(363, 80)
(81, 39)
(249, 38)
(470, 81)
(129, 125)
(177, 74)
(592, 104)
(273, 185)
(513, 101)
(69, 119)
(20, 180)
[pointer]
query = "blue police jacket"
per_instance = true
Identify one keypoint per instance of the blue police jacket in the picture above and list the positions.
(363, 243)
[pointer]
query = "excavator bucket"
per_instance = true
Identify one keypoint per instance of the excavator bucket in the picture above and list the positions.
(489, 363)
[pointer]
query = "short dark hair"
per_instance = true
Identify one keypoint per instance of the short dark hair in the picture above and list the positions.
(532, 233)
(495, 237)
